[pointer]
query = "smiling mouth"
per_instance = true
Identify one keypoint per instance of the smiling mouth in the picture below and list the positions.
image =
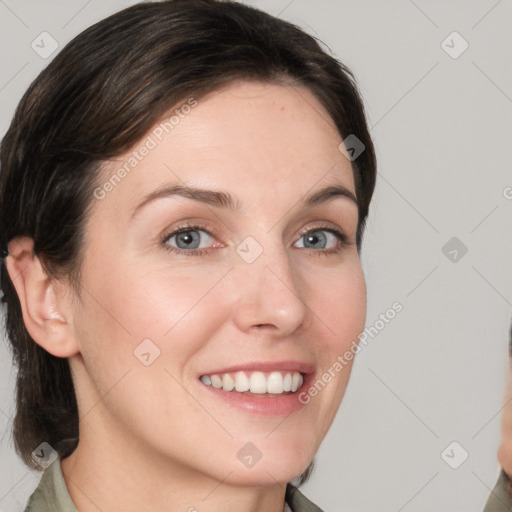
(276, 383)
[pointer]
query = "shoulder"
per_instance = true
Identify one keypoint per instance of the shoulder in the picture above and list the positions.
(498, 500)
(51, 494)
(298, 502)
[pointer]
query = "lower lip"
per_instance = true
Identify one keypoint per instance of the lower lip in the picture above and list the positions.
(277, 405)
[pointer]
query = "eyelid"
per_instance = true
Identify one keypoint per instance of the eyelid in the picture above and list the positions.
(322, 225)
(189, 226)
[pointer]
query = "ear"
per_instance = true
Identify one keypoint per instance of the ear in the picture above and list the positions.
(45, 307)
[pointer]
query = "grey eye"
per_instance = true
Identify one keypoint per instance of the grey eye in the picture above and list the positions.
(315, 236)
(189, 239)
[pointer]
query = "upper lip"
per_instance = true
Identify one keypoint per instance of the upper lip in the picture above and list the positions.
(265, 366)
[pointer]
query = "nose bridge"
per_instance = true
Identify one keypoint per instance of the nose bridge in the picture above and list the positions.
(270, 292)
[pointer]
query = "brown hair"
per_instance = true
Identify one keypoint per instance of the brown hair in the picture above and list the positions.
(98, 97)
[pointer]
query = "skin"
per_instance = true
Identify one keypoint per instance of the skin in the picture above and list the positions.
(505, 447)
(153, 437)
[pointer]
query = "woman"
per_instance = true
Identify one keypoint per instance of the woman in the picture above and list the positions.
(183, 196)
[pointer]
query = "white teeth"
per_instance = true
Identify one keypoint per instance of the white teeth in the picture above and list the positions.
(296, 381)
(258, 383)
(228, 384)
(274, 383)
(287, 382)
(216, 381)
(241, 382)
(205, 379)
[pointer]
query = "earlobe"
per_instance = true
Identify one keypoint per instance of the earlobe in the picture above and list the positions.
(46, 312)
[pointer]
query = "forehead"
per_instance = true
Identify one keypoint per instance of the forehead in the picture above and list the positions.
(268, 144)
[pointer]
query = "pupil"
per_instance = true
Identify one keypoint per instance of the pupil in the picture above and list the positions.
(312, 239)
(187, 238)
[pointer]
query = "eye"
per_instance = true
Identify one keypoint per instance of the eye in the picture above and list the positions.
(187, 240)
(322, 236)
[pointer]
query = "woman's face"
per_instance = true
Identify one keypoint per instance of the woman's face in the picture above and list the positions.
(273, 291)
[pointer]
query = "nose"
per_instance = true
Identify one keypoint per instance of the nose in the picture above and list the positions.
(269, 295)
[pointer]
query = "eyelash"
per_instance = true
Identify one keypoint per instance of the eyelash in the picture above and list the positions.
(340, 235)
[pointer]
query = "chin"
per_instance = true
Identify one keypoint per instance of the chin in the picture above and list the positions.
(272, 472)
(270, 461)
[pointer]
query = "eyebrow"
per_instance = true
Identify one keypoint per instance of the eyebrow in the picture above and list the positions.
(223, 199)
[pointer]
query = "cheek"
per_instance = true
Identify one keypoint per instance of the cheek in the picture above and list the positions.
(340, 307)
(174, 310)
(177, 309)
(338, 300)
(144, 299)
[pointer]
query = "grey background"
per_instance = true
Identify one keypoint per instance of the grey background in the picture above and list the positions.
(442, 128)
